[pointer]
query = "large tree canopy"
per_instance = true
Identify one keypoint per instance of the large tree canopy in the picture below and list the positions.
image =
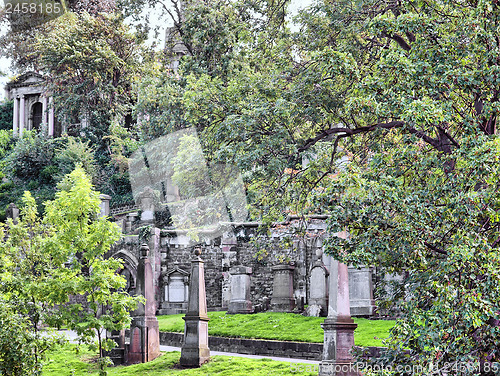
(407, 92)
(91, 62)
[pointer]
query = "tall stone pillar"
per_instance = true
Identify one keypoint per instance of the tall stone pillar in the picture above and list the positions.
(195, 349)
(144, 331)
(240, 290)
(22, 115)
(51, 117)
(15, 120)
(338, 326)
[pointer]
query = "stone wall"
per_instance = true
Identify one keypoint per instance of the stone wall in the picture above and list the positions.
(224, 248)
(285, 349)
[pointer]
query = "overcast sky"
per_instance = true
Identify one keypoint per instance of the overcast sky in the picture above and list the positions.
(5, 63)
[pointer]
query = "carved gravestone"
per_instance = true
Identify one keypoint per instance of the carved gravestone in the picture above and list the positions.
(146, 201)
(104, 205)
(176, 291)
(318, 291)
(361, 291)
(12, 212)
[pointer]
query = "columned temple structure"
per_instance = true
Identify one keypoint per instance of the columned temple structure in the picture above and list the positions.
(33, 106)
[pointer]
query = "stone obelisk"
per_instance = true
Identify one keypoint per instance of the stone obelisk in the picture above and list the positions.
(338, 326)
(195, 349)
(144, 333)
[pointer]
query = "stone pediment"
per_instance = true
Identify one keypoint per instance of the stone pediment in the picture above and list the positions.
(173, 270)
(27, 79)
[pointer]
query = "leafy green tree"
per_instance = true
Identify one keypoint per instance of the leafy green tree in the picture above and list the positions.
(82, 239)
(408, 93)
(18, 345)
(91, 62)
(6, 115)
(46, 262)
(21, 31)
(27, 292)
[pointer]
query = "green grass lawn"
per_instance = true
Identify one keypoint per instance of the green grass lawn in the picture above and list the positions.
(64, 362)
(279, 326)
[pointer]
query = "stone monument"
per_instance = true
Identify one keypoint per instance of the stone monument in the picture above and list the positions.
(195, 349)
(361, 291)
(240, 290)
(104, 205)
(146, 201)
(176, 291)
(318, 288)
(338, 326)
(282, 299)
(144, 332)
(12, 212)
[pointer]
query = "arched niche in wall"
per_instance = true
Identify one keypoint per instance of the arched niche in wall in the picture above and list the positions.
(36, 115)
(129, 269)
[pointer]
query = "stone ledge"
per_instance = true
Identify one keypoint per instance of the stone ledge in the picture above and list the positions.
(285, 349)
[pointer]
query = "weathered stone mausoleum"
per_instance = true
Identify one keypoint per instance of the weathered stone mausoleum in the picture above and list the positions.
(33, 107)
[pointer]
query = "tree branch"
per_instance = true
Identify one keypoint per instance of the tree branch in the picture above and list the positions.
(348, 132)
(436, 249)
(398, 39)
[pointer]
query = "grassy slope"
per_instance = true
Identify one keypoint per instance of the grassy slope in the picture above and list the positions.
(64, 362)
(279, 326)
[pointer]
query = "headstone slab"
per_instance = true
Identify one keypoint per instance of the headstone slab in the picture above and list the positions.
(104, 205)
(176, 291)
(318, 290)
(12, 212)
(361, 292)
(146, 201)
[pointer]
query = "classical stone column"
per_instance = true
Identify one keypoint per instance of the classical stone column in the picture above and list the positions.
(144, 331)
(240, 290)
(44, 113)
(21, 115)
(51, 117)
(195, 349)
(282, 299)
(15, 120)
(338, 326)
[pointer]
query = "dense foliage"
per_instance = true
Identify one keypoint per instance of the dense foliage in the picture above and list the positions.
(45, 262)
(382, 113)
(90, 62)
(6, 114)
